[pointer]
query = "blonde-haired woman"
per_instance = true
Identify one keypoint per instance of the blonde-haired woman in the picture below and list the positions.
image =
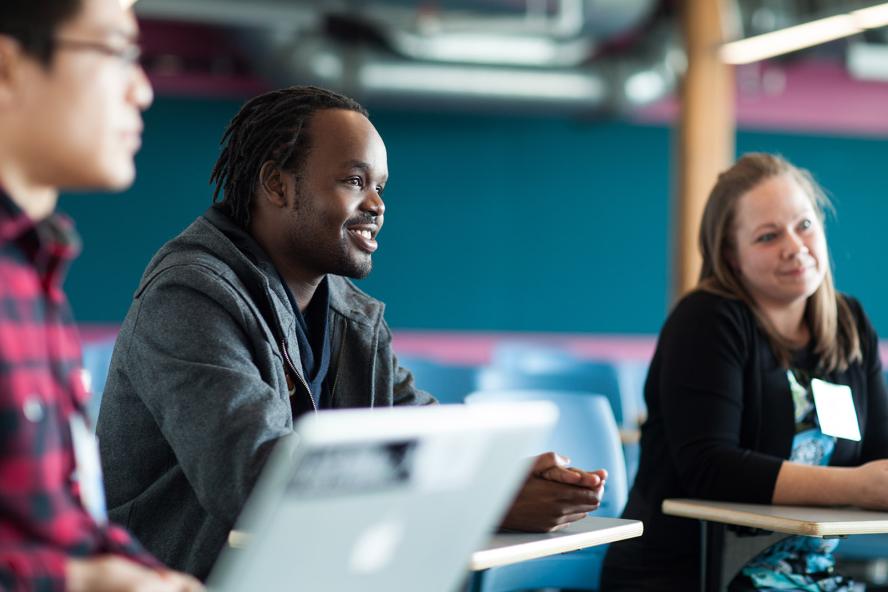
(730, 389)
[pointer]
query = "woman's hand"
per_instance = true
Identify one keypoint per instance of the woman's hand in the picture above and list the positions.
(870, 485)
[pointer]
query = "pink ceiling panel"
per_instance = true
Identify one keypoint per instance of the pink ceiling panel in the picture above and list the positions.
(814, 96)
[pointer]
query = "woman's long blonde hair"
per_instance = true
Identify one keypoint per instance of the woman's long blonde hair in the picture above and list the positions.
(830, 320)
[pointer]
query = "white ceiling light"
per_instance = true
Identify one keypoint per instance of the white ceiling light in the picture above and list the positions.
(768, 45)
(453, 80)
(872, 17)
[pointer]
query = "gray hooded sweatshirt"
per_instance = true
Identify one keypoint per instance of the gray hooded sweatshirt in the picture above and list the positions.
(197, 393)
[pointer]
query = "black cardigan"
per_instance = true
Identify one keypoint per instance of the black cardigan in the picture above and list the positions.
(720, 424)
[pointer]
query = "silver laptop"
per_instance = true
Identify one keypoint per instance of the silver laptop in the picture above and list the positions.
(383, 499)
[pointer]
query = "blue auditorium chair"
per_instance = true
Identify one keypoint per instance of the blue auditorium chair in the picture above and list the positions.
(96, 362)
(580, 375)
(535, 365)
(587, 433)
(449, 383)
(532, 356)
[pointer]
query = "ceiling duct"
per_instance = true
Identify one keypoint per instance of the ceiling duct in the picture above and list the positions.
(524, 54)
(542, 33)
(234, 13)
(561, 19)
(613, 84)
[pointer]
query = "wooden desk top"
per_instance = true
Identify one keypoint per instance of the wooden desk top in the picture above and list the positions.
(506, 548)
(811, 521)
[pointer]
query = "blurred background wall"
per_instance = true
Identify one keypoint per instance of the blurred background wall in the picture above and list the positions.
(502, 218)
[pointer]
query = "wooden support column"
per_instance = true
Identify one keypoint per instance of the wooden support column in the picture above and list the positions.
(706, 130)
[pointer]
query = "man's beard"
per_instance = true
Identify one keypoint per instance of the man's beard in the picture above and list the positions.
(339, 261)
(350, 268)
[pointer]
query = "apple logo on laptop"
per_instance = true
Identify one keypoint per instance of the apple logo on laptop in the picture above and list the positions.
(375, 547)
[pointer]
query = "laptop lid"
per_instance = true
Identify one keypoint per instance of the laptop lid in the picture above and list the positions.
(382, 499)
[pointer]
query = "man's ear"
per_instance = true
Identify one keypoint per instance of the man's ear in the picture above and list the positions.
(10, 54)
(272, 184)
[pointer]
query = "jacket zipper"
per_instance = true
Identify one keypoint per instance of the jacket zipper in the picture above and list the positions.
(314, 405)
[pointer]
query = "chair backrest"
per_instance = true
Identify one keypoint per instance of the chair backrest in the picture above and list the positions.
(449, 383)
(531, 356)
(633, 374)
(597, 377)
(96, 362)
(586, 432)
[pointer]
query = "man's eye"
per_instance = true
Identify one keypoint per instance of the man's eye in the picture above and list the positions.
(355, 181)
(806, 224)
(380, 189)
(766, 238)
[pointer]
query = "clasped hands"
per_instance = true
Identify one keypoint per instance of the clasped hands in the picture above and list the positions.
(554, 495)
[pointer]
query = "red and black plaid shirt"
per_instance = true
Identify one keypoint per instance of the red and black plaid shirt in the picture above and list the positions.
(42, 521)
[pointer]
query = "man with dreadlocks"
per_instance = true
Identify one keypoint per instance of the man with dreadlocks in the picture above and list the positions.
(246, 320)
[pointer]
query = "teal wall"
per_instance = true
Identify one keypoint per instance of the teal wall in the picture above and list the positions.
(492, 222)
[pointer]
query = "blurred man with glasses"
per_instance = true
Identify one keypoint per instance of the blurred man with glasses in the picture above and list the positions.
(71, 97)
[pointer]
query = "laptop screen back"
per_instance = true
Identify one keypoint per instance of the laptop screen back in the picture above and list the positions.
(384, 499)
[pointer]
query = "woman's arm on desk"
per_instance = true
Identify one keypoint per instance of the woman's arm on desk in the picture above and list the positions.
(865, 486)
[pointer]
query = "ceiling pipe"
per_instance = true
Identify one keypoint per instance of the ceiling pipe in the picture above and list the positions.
(614, 84)
(533, 36)
(530, 57)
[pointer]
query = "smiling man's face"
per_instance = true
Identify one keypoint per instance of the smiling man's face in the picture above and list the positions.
(336, 211)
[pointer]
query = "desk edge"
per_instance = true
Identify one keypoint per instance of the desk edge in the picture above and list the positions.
(488, 558)
(680, 508)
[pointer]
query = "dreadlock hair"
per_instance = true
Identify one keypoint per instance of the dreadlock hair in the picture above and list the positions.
(33, 23)
(270, 127)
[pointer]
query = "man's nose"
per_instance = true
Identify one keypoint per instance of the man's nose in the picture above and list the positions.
(374, 203)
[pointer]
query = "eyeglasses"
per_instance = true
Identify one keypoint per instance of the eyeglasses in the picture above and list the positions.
(129, 54)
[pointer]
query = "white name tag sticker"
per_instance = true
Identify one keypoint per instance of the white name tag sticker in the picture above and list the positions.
(89, 469)
(835, 410)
